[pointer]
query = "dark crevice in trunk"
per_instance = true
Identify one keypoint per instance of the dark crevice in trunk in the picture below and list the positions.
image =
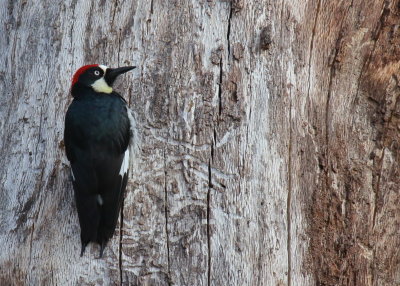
(323, 271)
(228, 34)
(385, 135)
(220, 87)
(148, 21)
(312, 46)
(121, 225)
(166, 218)
(289, 197)
(39, 141)
(14, 34)
(332, 74)
(328, 99)
(288, 200)
(327, 119)
(38, 199)
(115, 9)
(326, 151)
(118, 32)
(40, 131)
(377, 189)
(30, 245)
(375, 38)
(213, 142)
(208, 220)
(119, 47)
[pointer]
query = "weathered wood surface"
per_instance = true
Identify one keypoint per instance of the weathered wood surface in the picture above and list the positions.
(267, 145)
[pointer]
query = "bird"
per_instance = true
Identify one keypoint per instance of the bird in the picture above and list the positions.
(97, 136)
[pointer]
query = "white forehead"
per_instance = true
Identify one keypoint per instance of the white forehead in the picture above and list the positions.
(103, 67)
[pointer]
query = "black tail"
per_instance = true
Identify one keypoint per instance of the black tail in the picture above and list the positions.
(89, 216)
(109, 211)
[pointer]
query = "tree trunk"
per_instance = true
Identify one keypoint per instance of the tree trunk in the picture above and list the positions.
(266, 152)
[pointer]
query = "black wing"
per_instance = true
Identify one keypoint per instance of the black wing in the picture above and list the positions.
(97, 149)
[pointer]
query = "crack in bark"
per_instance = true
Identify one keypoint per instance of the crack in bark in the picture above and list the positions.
(148, 21)
(327, 117)
(120, 242)
(289, 197)
(13, 72)
(329, 95)
(377, 189)
(212, 145)
(119, 47)
(325, 175)
(208, 220)
(41, 121)
(384, 137)
(30, 245)
(328, 100)
(118, 35)
(220, 87)
(228, 34)
(374, 213)
(288, 201)
(40, 131)
(166, 218)
(52, 274)
(366, 64)
(331, 76)
(39, 187)
(375, 38)
(312, 46)
(210, 186)
(115, 9)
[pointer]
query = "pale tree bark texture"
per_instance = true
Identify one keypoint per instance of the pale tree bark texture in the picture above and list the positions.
(266, 152)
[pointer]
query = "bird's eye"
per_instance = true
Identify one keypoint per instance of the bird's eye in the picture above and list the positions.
(96, 73)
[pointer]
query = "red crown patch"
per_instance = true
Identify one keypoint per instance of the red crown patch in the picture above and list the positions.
(81, 71)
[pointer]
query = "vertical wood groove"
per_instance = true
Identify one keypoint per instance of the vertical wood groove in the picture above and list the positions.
(228, 34)
(375, 38)
(220, 84)
(312, 46)
(289, 197)
(121, 225)
(208, 222)
(169, 278)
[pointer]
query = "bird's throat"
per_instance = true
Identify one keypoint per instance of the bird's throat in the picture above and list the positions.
(101, 85)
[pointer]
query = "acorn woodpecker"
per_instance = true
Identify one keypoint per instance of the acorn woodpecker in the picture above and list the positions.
(97, 135)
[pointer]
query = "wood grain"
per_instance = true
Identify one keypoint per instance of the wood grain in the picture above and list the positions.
(266, 149)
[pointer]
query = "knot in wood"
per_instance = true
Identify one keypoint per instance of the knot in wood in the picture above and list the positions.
(265, 38)
(237, 5)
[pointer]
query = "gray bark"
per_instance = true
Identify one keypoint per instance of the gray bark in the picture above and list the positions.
(266, 146)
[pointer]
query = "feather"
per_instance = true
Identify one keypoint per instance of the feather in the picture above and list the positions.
(97, 136)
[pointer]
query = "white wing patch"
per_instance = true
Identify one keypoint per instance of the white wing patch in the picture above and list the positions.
(132, 122)
(73, 177)
(125, 163)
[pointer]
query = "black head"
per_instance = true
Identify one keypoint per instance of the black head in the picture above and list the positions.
(98, 77)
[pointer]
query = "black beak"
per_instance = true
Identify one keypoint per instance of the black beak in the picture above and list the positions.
(112, 74)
